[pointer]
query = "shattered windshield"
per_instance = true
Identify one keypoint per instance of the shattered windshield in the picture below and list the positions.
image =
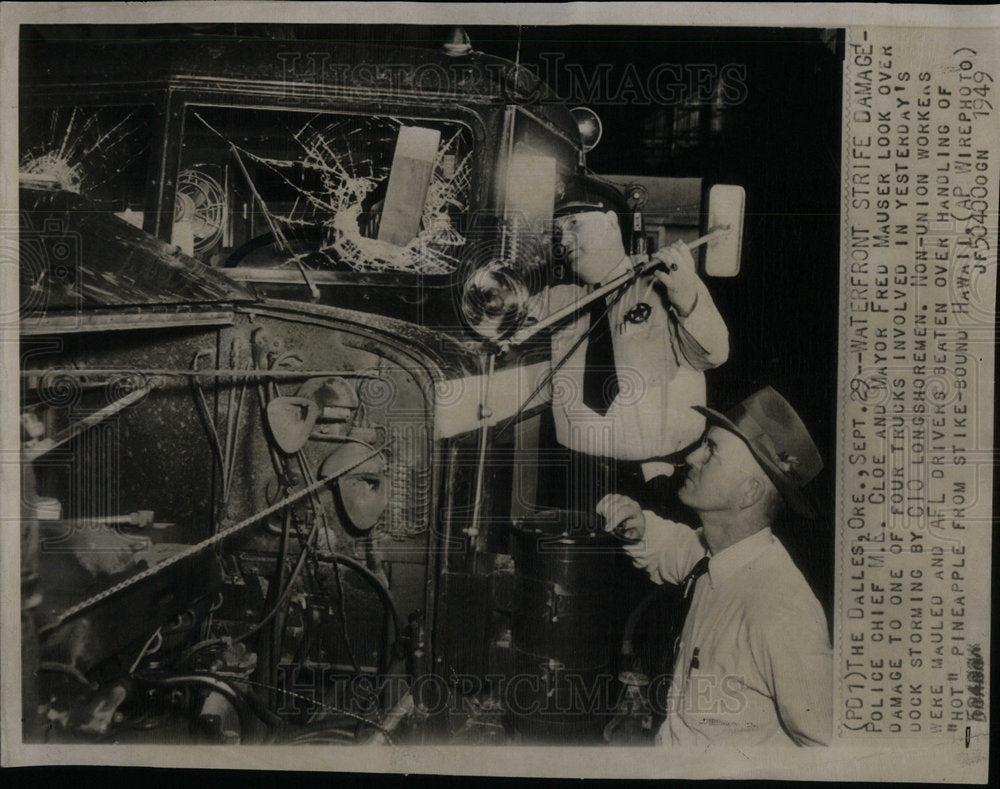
(324, 191)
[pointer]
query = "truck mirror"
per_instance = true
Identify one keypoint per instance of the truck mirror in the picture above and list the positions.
(726, 206)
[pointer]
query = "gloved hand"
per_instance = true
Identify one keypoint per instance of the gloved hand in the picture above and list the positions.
(622, 516)
(679, 276)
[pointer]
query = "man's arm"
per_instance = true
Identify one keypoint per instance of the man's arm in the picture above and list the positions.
(668, 551)
(665, 549)
(702, 336)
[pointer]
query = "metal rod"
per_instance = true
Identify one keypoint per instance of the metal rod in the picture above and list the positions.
(554, 368)
(393, 718)
(90, 420)
(236, 435)
(206, 414)
(236, 374)
(275, 230)
(528, 332)
(484, 428)
(230, 419)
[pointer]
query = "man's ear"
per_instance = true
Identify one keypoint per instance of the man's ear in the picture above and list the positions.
(751, 491)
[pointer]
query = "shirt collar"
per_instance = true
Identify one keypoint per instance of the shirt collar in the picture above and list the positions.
(726, 562)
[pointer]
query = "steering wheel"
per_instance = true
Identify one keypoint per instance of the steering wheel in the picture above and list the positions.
(265, 251)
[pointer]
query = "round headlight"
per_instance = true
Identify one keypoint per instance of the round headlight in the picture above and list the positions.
(590, 127)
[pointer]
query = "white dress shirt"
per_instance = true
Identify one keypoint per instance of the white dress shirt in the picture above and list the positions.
(754, 662)
(659, 363)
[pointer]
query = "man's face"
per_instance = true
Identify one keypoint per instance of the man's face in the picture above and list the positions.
(592, 242)
(718, 467)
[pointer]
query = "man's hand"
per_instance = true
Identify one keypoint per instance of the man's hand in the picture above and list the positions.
(680, 277)
(623, 516)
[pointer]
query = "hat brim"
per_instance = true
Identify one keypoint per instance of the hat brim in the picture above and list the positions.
(797, 501)
(579, 207)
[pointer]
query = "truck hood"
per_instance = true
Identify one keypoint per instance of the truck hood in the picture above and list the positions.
(75, 255)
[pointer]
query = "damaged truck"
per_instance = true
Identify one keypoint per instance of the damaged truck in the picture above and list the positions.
(284, 472)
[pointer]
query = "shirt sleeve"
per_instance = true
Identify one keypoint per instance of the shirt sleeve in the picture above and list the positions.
(796, 661)
(668, 550)
(702, 336)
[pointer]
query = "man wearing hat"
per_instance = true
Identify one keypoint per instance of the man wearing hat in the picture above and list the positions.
(753, 662)
(625, 391)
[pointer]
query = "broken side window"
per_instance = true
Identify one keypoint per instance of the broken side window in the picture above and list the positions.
(101, 153)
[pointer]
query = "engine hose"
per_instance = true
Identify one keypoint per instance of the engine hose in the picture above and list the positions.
(191, 651)
(285, 594)
(383, 593)
(341, 611)
(262, 711)
(373, 580)
(240, 704)
(344, 730)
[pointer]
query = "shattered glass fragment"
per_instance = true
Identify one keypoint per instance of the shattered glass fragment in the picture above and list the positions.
(99, 152)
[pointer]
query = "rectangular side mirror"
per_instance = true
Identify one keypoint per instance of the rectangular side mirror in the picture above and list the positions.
(726, 207)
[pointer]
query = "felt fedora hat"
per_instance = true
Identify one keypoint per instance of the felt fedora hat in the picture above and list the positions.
(778, 440)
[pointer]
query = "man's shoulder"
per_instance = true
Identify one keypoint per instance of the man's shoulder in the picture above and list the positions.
(562, 295)
(777, 585)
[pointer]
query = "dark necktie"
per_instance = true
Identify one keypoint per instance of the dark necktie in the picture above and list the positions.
(600, 378)
(687, 590)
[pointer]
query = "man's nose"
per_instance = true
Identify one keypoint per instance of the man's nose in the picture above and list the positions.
(695, 456)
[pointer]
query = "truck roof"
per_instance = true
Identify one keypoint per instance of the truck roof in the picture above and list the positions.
(289, 68)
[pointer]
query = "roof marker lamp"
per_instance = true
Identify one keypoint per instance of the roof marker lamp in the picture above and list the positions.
(590, 127)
